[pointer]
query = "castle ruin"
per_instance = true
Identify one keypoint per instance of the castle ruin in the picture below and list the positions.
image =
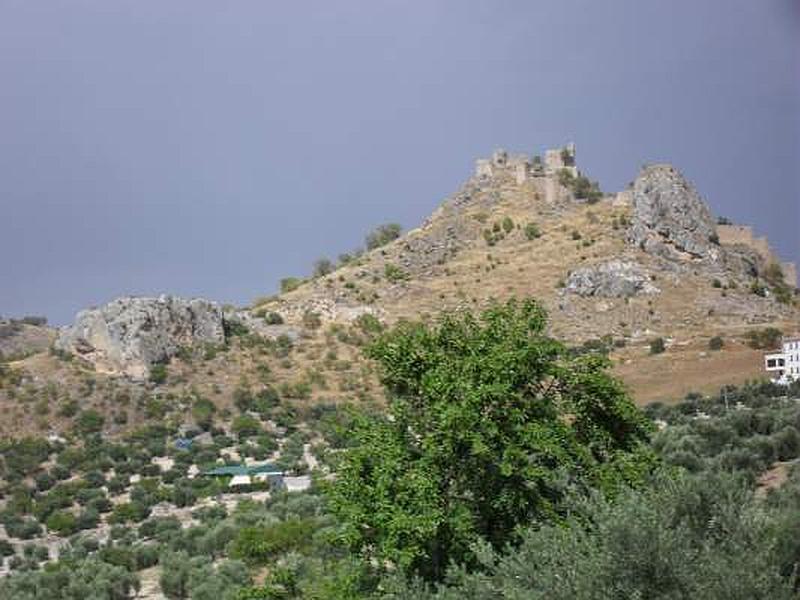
(523, 168)
(743, 234)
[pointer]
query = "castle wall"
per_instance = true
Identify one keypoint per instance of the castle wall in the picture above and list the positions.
(743, 234)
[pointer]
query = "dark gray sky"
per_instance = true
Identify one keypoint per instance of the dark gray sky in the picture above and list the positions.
(210, 148)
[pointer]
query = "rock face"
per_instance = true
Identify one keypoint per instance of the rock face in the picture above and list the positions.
(129, 334)
(613, 279)
(669, 217)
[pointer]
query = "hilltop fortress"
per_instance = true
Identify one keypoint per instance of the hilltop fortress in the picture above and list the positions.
(544, 173)
(548, 177)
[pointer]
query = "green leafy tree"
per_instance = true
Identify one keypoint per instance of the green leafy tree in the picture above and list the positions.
(490, 422)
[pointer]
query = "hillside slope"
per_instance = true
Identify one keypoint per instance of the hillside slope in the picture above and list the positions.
(614, 271)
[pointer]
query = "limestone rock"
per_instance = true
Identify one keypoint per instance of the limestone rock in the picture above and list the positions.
(131, 334)
(613, 279)
(669, 217)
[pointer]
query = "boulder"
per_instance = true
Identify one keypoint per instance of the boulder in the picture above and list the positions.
(613, 279)
(130, 334)
(669, 217)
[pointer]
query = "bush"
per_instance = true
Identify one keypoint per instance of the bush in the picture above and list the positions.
(369, 324)
(716, 343)
(158, 373)
(657, 346)
(394, 273)
(382, 235)
(532, 231)
(89, 422)
(62, 523)
(258, 545)
(203, 412)
(245, 426)
(764, 339)
(289, 284)
(688, 537)
(322, 267)
(72, 580)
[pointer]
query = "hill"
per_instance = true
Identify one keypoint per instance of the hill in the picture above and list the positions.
(619, 273)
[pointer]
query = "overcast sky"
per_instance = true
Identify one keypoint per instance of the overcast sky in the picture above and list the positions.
(209, 148)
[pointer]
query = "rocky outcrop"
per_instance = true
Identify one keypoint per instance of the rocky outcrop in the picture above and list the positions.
(19, 338)
(669, 217)
(613, 279)
(129, 335)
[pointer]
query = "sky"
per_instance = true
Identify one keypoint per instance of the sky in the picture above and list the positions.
(206, 148)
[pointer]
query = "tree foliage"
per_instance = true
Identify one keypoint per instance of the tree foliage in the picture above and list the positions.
(680, 537)
(490, 423)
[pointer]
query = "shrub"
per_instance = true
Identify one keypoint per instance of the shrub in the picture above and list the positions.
(369, 324)
(532, 231)
(129, 511)
(62, 523)
(508, 224)
(322, 267)
(203, 412)
(89, 422)
(394, 273)
(258, 545)
(764, 339)
(382, 235)
(657, 346)
(158, 373)
(245, 426)
(716, 343)
(243, 399)
(289, 284)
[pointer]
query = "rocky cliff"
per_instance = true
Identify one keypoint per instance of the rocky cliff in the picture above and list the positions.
(669, 217)
(129, 335)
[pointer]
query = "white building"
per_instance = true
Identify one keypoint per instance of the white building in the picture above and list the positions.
(784, 366)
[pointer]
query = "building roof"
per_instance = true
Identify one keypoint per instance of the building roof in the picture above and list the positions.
(235, 470)
(240, 480)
